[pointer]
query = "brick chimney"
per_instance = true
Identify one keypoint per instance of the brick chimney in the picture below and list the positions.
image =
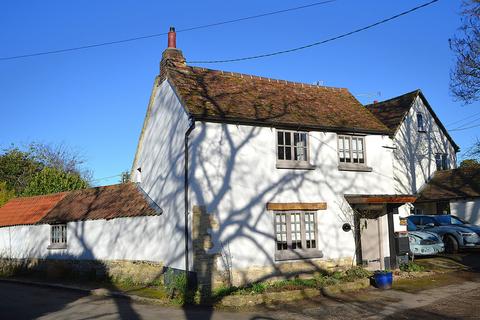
(171, 57)
(375, 101)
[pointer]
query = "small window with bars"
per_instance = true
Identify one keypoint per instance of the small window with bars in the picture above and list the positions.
(420, 122)
(351, 149)
(295, 230)
(441, 161)
(58, 235)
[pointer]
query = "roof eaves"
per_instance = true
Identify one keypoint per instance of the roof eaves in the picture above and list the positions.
(286, 125)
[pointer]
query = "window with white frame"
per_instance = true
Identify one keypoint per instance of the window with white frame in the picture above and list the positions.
(58, 236)
(441, 161)
(351, 149)
(292, 148)
(296, 235)
(420, 122)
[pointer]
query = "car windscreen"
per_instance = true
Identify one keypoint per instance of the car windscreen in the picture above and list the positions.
(448, 220)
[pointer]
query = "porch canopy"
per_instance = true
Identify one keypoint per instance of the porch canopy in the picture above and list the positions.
(380, 198)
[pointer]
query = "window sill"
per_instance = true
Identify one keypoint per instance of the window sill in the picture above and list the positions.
(354, 167)
(298, 254)
(294, 165)
(57, 246)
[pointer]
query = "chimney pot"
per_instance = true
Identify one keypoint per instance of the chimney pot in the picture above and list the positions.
(172, 38)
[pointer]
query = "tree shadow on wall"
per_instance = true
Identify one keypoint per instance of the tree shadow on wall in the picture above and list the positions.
(234, 179)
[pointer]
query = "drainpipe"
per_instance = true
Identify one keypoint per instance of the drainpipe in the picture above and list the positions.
(187, 133)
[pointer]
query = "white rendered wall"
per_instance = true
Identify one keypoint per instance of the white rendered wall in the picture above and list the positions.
(466, 209)
(415, 154)
(234, 175)
(161, 159)
(138, 238)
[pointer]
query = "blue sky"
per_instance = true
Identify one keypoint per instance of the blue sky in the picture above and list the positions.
(95, 100)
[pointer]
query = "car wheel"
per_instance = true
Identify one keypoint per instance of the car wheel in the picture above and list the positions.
(451, 244)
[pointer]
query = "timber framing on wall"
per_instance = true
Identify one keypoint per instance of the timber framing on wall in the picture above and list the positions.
(278, 206)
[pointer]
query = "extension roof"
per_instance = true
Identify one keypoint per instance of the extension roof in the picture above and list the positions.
(29, 210)
(227, 97)
(108, 202)
(393, 111)
(452, 184)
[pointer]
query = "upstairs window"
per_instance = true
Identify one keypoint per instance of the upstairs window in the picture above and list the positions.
(296, 235)
(292, 149)
(441, 161)
(58, 236)
(351, 149)
(420, 122)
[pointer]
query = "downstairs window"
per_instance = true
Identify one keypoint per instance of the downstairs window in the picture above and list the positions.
(296, 235)
(58, 236)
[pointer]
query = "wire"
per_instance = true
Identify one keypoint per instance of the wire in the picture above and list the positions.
(475, 120)
(461, 129)
(105, 178)
(163, 33)
(463, 119)
(319, 42)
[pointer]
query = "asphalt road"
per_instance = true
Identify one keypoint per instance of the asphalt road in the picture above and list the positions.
(454, 301)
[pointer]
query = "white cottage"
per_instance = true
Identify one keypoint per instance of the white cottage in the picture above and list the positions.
(262, 178)
(256, 178)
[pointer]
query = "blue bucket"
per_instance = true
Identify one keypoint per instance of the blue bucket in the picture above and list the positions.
(383, 279)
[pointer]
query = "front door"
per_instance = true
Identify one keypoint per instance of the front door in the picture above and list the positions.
(370, 233)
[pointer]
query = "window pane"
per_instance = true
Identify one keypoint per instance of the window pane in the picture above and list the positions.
(438, 161)
(360, 144)
(281, 230)
(347, 150)
(310, 230)
(444, 162)
(288, 153)
(420, 122)
(288, 140)
(281, 153)
(295, 230)
(280, 137)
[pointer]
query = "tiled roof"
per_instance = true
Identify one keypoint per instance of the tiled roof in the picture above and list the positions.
(116, 201)
(452, 184)
(109, 202)
(28, 210)
(220, 96)
(392, 111)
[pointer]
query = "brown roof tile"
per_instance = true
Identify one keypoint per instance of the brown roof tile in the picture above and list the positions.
(29, 210)
(116, 201)
(392, 111)
(452, 184)
(220, 96)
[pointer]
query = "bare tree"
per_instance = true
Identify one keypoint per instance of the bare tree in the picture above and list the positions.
(465, 76)
(61, 157)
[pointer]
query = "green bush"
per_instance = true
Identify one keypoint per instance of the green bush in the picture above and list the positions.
(355, 273)
(177, 287)
(411, 267)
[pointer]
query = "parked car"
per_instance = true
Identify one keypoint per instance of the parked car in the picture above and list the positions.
(455, 232)
(423, 242)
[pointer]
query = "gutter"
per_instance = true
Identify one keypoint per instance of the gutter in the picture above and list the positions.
(187, 134)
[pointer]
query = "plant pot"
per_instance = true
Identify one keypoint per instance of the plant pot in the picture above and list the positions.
(383, 279)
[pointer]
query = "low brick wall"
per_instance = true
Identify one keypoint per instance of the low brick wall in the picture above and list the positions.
(139, 272)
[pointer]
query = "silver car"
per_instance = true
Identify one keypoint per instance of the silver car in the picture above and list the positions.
(424, 243)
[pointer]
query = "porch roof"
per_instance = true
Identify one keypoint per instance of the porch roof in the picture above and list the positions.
(379, 198)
